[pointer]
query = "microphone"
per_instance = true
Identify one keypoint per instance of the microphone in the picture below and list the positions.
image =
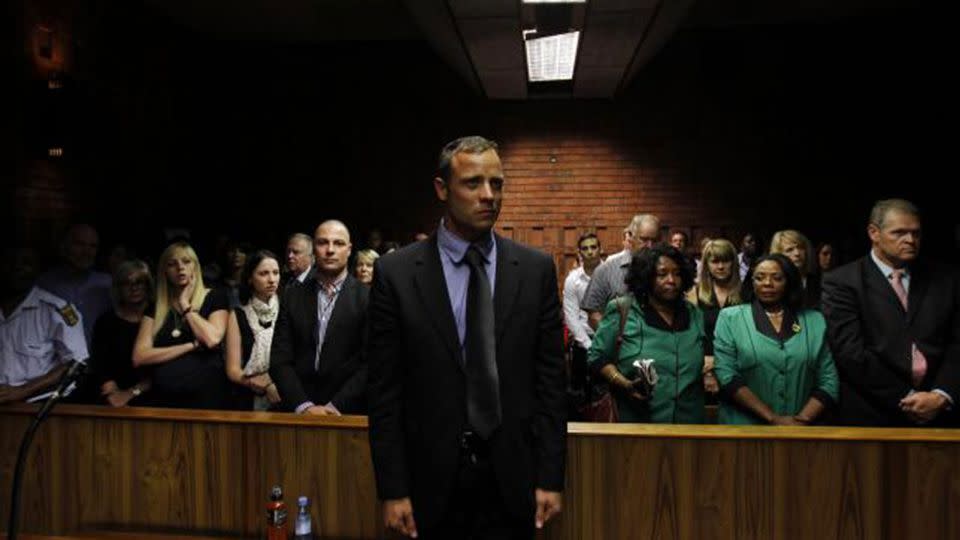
(75, 370)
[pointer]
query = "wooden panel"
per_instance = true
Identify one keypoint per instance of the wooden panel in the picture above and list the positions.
(174, 471)
(932, 472)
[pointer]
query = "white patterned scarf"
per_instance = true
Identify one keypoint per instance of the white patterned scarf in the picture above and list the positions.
(259, 312)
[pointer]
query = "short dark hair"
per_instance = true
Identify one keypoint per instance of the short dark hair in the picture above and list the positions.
(253, 261)
(643, 271)
(587, 236)
(792, 296)
(473, 144)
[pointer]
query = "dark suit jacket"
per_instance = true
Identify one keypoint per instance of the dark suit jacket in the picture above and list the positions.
(813, 292)
(342, 377)
(417, 383)
(870, 336)
(291, 280)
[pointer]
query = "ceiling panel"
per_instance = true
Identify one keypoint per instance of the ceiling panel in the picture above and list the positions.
(493, 43)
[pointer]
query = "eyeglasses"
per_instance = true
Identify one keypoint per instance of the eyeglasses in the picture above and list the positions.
(134, 282)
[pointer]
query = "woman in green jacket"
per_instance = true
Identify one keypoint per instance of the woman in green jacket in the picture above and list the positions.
(661, 325)
(772, 359)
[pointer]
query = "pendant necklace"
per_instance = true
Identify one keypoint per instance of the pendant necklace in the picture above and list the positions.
(176, 324)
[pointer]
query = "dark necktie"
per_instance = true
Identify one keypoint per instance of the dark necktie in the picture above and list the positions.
(483, 383)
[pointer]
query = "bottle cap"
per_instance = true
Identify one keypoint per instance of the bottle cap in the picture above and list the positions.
(303, 501)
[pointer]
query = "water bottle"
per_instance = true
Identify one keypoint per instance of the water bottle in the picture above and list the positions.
(303, 529)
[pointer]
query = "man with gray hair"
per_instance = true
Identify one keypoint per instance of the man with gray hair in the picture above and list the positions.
(608, 279)
(893, 323)
(299, 267)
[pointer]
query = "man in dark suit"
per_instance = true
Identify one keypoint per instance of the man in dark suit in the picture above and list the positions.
(894, 328)
(317, 355)
(299, 268)
(467, 426)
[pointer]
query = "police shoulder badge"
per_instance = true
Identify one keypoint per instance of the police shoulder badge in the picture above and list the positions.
(69, 315)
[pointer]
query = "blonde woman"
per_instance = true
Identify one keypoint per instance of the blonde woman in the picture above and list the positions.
(718, 287)
(796, 247)
(118, 383)
(180, 335)
(363, 270)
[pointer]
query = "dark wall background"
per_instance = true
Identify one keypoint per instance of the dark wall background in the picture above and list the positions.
(728, 129)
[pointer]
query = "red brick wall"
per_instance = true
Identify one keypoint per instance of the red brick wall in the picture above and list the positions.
(560, 187)
(723, 131)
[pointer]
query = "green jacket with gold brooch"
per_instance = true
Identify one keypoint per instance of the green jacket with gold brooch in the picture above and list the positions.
(783, 369)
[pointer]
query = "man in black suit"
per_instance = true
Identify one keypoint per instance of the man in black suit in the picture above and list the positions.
(299, 267)
(894, 328)
(317, 355)
(467, 426)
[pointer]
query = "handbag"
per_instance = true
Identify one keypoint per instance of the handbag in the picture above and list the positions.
(604, 407)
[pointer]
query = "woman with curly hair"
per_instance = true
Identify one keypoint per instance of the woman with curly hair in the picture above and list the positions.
(662, 327)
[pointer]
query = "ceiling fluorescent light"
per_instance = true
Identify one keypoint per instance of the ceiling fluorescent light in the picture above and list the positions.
(552, 58)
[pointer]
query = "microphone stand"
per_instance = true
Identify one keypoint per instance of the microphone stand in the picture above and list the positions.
(74, 372)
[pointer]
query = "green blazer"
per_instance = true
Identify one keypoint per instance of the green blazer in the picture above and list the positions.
(678, 397)
(784, 375)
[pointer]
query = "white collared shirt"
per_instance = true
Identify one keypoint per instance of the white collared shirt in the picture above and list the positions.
(42, 332)
(574, 289)
(887, 271)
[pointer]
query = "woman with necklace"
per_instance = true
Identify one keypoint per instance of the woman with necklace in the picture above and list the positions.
(117, 382)
(772, 359)
(250, 333)
(180, 335)
(661, 326)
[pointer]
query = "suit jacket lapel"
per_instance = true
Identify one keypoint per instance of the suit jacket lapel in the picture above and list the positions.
(341, 308)
(875, 278)
(507, 285)
(311, 288)
(431, 286)
(917, 292)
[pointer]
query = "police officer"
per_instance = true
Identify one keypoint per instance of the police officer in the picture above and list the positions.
(39, 332)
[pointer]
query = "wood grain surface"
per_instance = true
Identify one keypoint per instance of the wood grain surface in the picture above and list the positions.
(178, 472)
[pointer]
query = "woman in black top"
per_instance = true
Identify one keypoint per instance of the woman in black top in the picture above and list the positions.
(118, 383)
(180, 335)
(250, 333)
(718, 287)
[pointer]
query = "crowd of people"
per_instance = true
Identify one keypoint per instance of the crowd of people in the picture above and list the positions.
(784, 337)
(190, 335)
(778, 336)
(453, 345)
